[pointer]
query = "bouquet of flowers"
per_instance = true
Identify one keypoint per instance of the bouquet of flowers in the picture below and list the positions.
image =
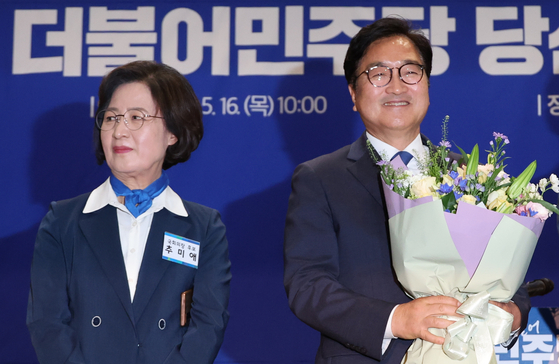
(465, 230)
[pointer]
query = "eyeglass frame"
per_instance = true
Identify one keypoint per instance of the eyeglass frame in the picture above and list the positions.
(118, 118)
(422, 67)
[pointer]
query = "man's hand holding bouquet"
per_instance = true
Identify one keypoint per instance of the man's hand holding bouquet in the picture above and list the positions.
(468, 231)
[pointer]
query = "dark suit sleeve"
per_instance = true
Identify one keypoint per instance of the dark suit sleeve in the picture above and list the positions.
(311, 279)
(48, 313)
(522, 300)
(209, 315)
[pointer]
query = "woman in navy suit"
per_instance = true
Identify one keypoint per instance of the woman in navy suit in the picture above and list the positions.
(112, 269)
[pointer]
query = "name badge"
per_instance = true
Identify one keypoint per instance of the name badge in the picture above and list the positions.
(181, 250)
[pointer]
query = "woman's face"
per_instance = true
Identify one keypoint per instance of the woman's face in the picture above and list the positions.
(136, 157)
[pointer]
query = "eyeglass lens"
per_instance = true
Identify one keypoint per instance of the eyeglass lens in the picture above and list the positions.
(133, 119)
(410, 74)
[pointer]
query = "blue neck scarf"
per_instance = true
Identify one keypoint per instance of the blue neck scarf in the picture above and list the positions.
(139, 201)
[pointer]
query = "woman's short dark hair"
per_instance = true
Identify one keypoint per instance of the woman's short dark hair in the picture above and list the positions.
(384, 28)
(174, 98)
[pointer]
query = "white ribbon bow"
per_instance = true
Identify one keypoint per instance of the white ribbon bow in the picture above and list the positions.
(482, 327)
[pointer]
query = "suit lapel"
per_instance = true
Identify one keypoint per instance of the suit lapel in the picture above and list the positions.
(153, 265)
(364, 168)
(100, 229)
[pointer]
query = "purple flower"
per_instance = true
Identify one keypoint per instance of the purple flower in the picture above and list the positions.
(444, 189)
(447, 159)
(453, 174)
(501, 136)
(445, 144)
(458, 195)
(480, 187)
(382, 163)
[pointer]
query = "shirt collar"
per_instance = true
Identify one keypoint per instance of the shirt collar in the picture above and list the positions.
(104, 195)
(386, 151)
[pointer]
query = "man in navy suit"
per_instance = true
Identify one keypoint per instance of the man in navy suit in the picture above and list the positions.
(338, 272)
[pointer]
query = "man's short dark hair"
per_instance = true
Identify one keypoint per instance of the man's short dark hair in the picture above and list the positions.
(174, 98)
(380, 29)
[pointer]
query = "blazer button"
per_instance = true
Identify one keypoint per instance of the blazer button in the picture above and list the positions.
(162, 324)
(96, 321)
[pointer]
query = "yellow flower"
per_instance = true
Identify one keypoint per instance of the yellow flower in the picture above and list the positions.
(469, 199)
(483, 172)
(496, 199)
(461, 172)
(423, 187)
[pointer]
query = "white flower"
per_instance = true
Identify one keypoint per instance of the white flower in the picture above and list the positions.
(531, 188)
(531, 192)
(423, 187)
(554, 183)
(543, 184)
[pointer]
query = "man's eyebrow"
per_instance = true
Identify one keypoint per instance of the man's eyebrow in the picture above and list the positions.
(382, 64)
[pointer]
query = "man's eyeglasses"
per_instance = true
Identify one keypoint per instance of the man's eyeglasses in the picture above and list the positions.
(380, 76)
(133, 119)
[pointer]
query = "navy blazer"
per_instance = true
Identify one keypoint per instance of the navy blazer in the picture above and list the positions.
(338, 271)
(79, 307)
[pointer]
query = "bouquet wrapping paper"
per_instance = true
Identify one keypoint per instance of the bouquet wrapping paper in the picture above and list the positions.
(475, 255)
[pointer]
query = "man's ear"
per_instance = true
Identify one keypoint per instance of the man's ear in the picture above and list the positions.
(352, 93)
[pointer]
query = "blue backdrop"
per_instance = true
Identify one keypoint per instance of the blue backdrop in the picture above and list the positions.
(269, 76)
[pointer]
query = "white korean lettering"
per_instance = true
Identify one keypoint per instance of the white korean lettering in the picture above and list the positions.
(553, 40)
(244, 20)
(532, 343)
(441, 25)
(342, 23)
(508, 60)
(485, 31)
(534, 25)
(70, 39)
(248, 63)
(259, 103)
(196, 39)
(101, 19)
(553, 104)
(122, 45)
(532, 60)
(294, 31)
(124, 30)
